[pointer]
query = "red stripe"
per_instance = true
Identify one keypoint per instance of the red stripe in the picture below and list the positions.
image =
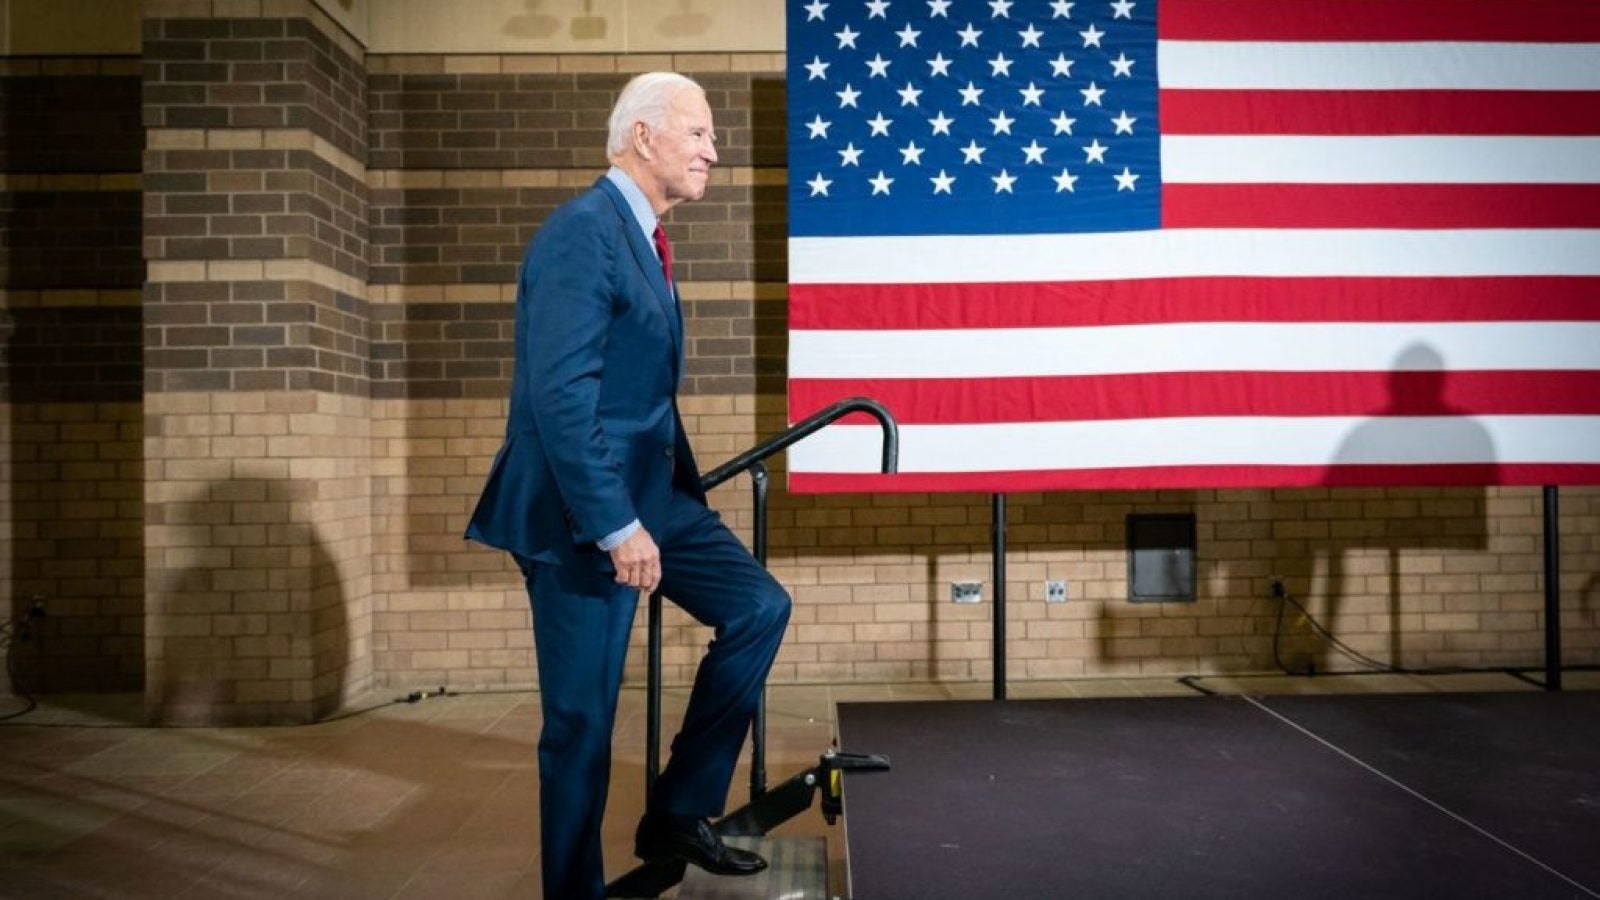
(1380, 112)
(1540, 21)
(1380, 206)
(1199, 478)
(1135, 302)
(924, 401)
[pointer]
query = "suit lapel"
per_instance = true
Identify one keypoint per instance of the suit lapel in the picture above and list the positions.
(645, 255)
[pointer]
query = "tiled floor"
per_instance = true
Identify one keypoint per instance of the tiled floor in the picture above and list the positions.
(406, 801)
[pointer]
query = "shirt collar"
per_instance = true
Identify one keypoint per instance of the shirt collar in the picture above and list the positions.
(637, 202)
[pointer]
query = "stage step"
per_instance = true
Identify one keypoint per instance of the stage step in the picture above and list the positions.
(797, 870)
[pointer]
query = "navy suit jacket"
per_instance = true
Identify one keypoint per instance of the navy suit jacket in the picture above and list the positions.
(593, 437)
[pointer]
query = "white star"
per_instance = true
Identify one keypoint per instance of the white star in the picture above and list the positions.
(1092, 94)
(1002, 123)
(878, 66)
(1061, 66)
(1122, 66)
(847, 97)
(908, 36)
(1034, 153)
(879, 125)
(1091, 38)
(814, 10)
(1031, 94)
(911, 154)
(973, 153)
(942, 182)
(1001, 8)
(878, 9)
(1000, 66)
(817, 68)
(969, 36)
(1122, 9)
(1124, 123)
(909, 95)
(819, 185)
(941, 124)
(847, 38)
(1065, 181)
(880, 185)
(1063, 123)
(1061, 9)
(939, 65)
(1003, 182)
(970, 94)
(936, 8)
(849, 156)
(1126, 179)
(1030, 38)
(819, 128)
(1095, 152)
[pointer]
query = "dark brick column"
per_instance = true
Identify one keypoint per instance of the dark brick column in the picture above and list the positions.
(258, 537)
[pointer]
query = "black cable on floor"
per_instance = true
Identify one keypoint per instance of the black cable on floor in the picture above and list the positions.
(1284, 598)
(11, 634)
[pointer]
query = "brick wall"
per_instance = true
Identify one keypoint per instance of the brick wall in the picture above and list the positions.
(258, 543)
(206, 70)
(470, 154)
(245, 488)
(71, 378)
(258, 444)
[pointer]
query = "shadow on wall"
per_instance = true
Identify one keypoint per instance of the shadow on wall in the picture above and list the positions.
(253, 627)
(1418, 392)
(534, 24)
(685, 23)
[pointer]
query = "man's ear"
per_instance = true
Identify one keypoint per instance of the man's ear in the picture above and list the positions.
(641, 140)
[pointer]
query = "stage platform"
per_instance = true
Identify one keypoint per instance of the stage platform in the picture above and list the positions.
(1372, 795)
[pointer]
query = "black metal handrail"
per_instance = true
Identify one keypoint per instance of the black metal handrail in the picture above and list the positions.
(804, 429)
(753, 460)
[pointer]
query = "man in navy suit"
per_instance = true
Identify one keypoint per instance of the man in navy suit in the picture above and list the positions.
(596, 494)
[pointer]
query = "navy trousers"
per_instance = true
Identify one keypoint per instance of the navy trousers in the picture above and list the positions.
(581, 625)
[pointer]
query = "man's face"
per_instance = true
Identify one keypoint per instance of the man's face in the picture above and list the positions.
(683, 149)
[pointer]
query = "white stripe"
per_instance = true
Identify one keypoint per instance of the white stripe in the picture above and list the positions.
(1193, 252)
(1276, 159)
(1195, 347)
(1207, 441)
(1422, 65)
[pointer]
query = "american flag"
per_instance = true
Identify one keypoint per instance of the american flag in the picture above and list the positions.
(1196, 243)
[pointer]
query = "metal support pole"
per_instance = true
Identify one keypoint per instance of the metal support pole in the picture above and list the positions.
(758, 727)
(1552, 589)
(998, 550)
(652, 731)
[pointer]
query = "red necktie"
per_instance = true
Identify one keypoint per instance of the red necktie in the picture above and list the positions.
(664, 248)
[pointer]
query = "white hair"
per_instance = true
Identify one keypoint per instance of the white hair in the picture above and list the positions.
(646, 98)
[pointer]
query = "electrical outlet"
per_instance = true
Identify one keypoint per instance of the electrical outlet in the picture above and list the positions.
(966, 592)
(1055, 590)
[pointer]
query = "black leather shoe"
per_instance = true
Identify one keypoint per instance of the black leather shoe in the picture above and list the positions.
(666, 836)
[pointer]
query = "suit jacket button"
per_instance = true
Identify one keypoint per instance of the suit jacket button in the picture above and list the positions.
(669, 452)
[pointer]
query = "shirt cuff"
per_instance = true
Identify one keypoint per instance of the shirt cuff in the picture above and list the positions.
(613, 540)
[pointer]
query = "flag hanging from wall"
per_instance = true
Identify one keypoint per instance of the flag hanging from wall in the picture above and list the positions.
(1196, 243)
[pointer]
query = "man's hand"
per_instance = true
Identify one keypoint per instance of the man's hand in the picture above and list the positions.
(638, 561)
